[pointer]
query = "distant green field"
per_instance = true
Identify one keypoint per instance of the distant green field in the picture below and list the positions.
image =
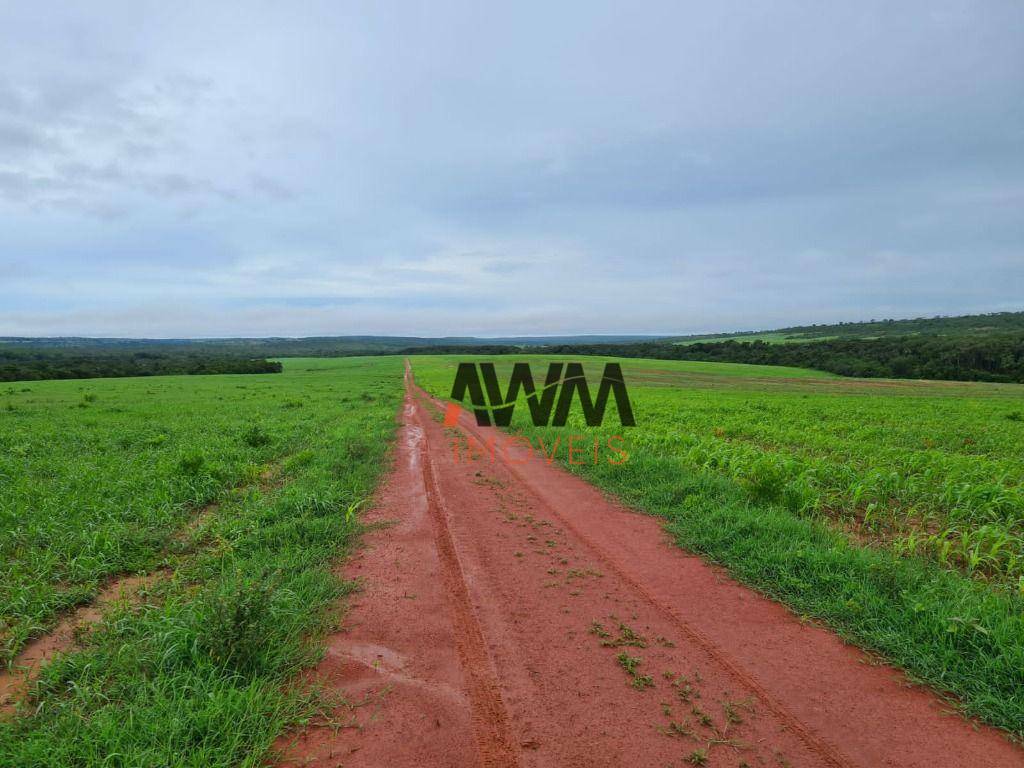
(960, 326)
(892, 510)
(105, 476)
(769, 337)
(689, 369)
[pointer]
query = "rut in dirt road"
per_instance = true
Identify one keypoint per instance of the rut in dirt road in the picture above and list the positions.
(490, 721)
(514, 616)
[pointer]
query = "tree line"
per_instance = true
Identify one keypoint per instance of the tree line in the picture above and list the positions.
(998, 358)
(962, 325)
(26, 364)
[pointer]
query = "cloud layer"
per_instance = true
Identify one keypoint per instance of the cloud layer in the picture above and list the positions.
(452, 168)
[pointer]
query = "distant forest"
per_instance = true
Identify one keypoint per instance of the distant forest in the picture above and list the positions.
(29, 359)
(966, 325)
(963, 358)
(994, 358)
(310, 346)
(962, 325)
(969, 348)
(33, 364)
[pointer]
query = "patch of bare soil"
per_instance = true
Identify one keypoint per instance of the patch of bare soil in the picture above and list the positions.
(62, 638)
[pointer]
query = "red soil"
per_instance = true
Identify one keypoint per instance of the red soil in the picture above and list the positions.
(473, 643)
(40, 650)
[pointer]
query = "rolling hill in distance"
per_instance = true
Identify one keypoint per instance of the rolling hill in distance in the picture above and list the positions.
(963, 325)
(986, 347)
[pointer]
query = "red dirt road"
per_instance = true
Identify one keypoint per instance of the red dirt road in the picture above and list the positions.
(513, 616)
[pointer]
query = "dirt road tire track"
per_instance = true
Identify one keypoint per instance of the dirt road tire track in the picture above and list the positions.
(490, 720)
(829, 754)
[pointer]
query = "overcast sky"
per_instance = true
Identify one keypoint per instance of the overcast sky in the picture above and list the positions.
(179, 169)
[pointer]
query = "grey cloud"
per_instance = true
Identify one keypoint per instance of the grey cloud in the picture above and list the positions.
(17, 137)
(271, 188)
(81, 142)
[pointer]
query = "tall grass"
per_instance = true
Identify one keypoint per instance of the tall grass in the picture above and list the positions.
(200, 672)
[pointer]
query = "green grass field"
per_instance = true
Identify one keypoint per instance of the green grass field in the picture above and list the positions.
(102, 477)
(891, 510)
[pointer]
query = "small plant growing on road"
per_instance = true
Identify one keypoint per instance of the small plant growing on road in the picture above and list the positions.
(626, 637)
(630, 664)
